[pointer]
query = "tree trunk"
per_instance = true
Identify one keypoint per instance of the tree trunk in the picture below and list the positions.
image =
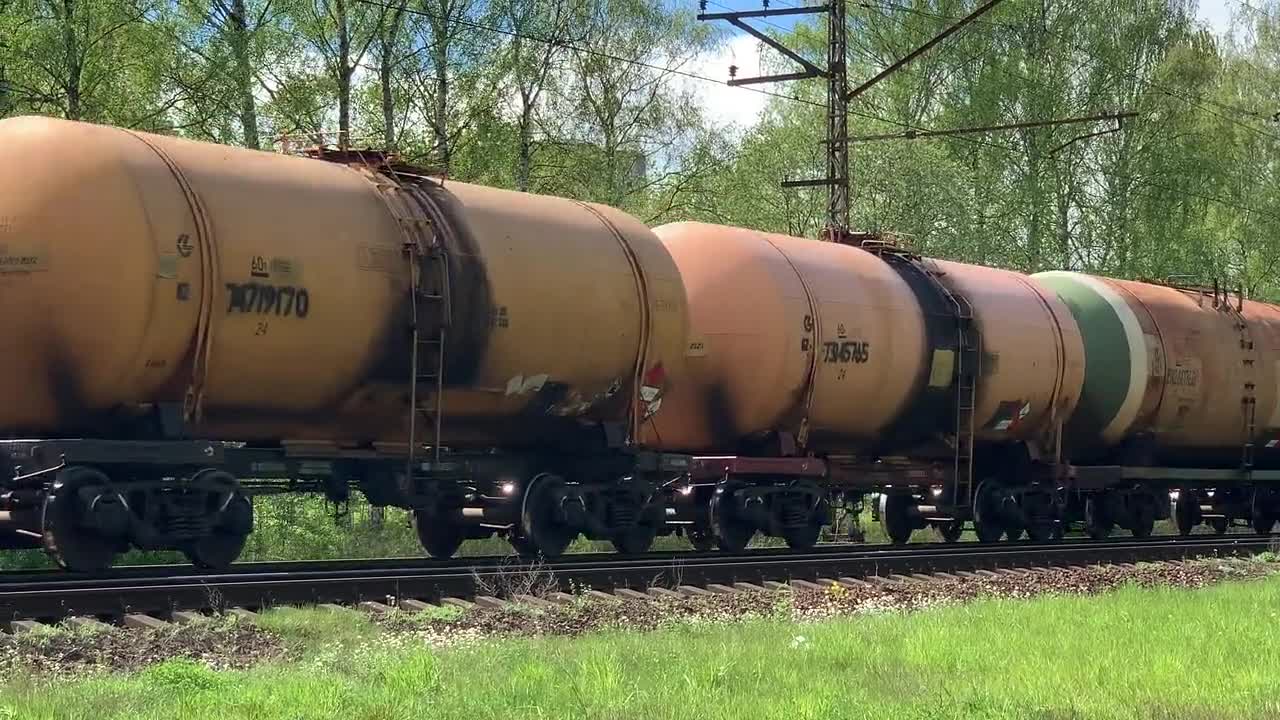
(239, 38)
(345, 71)
(5, 101)
(4, 84)
(71, 47)
(384, 73)
(525, 160)
(441, 124)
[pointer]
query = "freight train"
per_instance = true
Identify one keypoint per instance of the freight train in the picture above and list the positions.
(188, 326)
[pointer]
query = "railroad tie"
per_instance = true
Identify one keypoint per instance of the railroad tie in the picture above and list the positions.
(184, 617)
(143, 622)
(411, 605)
(376, 608)
(81, 622)
(854, 583)
(804, 585)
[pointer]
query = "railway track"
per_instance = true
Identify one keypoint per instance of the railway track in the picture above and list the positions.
(158, 591)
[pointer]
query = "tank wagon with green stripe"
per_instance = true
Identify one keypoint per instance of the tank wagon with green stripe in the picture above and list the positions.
(1181, 385)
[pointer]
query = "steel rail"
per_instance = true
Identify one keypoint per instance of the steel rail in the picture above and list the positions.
(55, 596)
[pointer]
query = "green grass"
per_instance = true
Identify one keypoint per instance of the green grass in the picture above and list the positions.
(1130, 654)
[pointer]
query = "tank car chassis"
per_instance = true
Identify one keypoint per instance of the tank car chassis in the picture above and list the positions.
(727, 500)
(85, 501)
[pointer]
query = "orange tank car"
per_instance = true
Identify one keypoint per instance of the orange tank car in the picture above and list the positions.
(163, 291)
(276, 288)
(830, 341)
(1177, 377)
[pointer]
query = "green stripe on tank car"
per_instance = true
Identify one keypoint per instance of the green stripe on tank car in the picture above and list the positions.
(1106, 353)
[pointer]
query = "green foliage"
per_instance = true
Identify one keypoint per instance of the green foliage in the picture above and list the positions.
(1133, 653)
(182, 675)
(542, 95)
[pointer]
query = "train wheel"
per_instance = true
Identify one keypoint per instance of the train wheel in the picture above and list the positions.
(732, 533)
(1144, 520)
(1096, 521)
(1041, 530)
(440, 538)
(895, 516)
(636, 539)
(987, 524)
(1186, 511)
(950, 531)
(233, 523)
(72, 545)
(541, 529)
(1261, 521)
(1219, 525)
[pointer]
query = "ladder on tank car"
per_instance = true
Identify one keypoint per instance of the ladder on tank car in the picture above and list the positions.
(429, 298)
(1248, 400)
(968, 367)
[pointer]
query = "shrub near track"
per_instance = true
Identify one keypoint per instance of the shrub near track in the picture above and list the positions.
(1133, 652)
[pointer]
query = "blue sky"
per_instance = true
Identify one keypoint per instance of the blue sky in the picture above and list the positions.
(1216, 14)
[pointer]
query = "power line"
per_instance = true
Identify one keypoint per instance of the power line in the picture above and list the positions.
(1191, 99)
(946, 132)
(865, 115)
(586, 51)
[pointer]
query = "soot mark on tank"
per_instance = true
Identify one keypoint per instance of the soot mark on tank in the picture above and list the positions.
(720, 413)
(471, 300)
